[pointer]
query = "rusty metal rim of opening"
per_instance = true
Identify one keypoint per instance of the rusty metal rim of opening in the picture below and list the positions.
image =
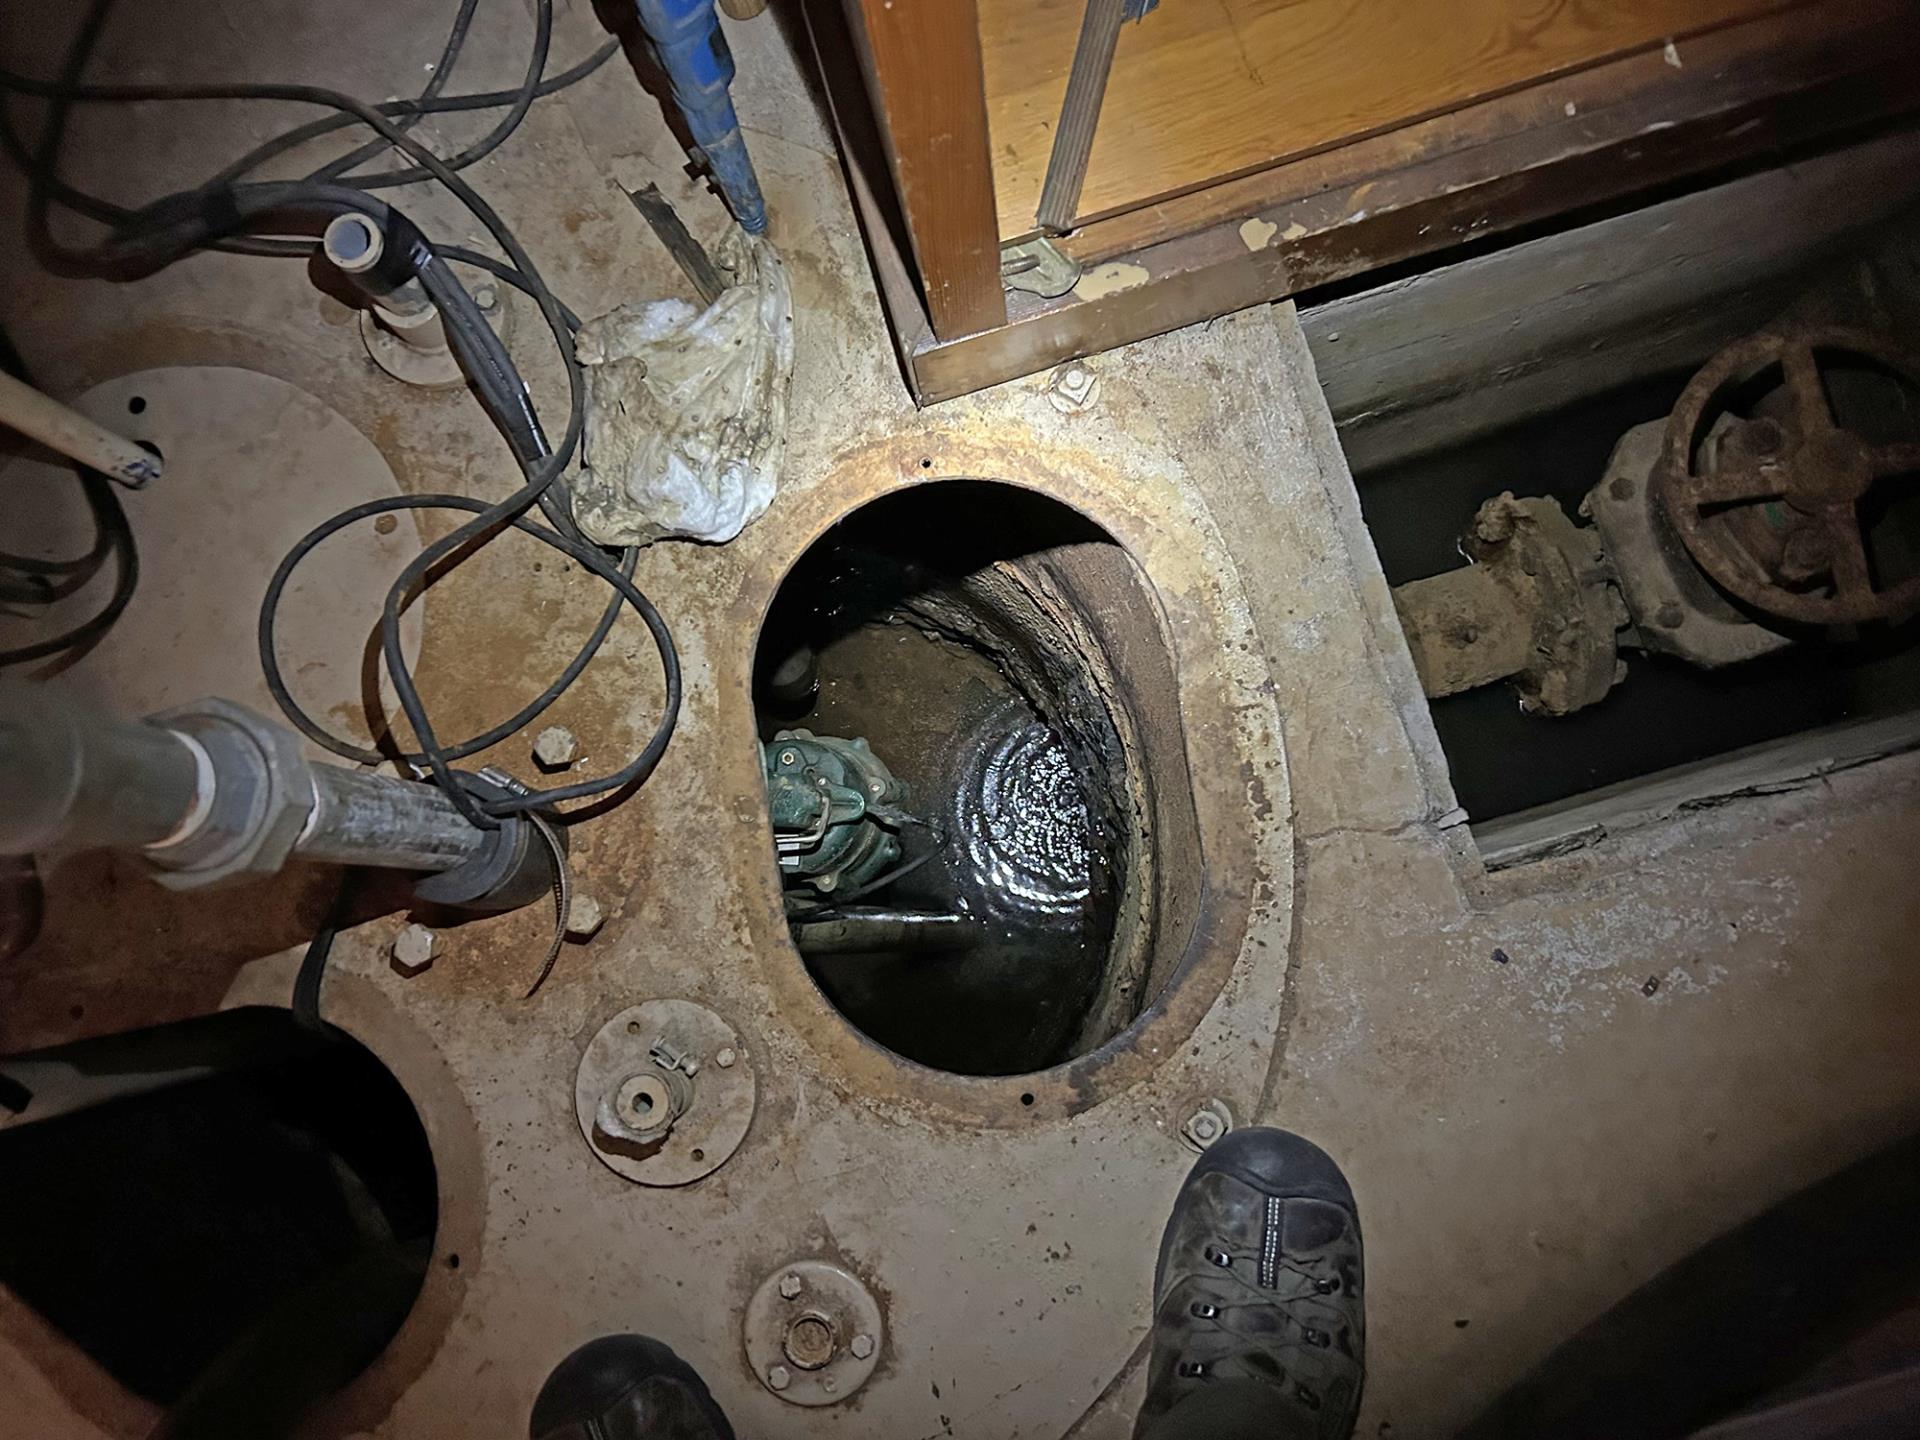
(1225, 885)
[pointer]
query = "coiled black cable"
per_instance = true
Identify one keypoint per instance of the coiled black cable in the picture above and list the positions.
(31, 580)
(229, 213)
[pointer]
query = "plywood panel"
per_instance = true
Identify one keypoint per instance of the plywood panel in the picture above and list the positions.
(1204, 89)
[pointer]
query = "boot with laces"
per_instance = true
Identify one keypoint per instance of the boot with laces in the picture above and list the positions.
(1258, 1331)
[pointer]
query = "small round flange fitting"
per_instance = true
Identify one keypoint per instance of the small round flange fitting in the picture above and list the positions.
(817, 1328)
(410, 348)
(650, 1102)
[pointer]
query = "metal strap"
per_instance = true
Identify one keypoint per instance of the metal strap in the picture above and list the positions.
(1080, 111)
(562, 897)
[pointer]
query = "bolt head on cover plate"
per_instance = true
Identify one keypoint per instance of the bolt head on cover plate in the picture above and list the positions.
(714, 1121)
(1209, 1121)
(823, 1340)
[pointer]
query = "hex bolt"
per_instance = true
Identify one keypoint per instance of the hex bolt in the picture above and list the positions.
(584, 916)
(725, 1058)
(779, 1377)
(414, 949)
(1072, 387)
(1209, 1121)
(487, 297)
(861, 1346)
(555, 748)
(789, 1287)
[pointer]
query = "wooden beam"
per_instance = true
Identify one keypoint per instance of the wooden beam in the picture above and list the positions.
(922, 63)
(1801, 78)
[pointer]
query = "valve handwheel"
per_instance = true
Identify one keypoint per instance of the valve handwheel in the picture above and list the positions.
(1770, 506)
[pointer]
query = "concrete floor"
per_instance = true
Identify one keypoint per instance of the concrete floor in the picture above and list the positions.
(1529, 1140)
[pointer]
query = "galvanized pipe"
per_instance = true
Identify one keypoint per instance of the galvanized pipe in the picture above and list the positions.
(362, 819)
(875, 930)
(207, 792)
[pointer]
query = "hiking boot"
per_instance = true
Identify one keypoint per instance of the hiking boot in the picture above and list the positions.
(1258, 1325)
(626, 1387)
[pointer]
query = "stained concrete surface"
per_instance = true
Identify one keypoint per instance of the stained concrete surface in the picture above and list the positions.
(1529, 1140)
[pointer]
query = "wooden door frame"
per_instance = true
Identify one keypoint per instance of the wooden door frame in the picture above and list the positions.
(1748, 94)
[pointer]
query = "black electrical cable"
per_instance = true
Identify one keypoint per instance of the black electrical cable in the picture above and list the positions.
(429, 102)
(313, 963)
(486, 144)
(145, 240)
(113, 534)
(349, 750)
(485, 100)
(45, 581)
(409, 110)
(436, 82)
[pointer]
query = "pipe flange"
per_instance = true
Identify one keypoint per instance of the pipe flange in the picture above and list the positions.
(259, 808)
(405, 347)
(813, 1332)
(665, 1092)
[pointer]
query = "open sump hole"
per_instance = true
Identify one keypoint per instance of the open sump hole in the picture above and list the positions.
(987, 670)
(236, 1236)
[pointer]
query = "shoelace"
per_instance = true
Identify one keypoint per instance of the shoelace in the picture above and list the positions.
(1215, 1338)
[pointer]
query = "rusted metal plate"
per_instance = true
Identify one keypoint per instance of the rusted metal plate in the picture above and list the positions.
(628, 1067)
(813, 1332)
(966, 1205)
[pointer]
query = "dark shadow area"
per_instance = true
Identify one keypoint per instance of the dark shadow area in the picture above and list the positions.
(1757, 1316)
(830, 41)
(234, 1245)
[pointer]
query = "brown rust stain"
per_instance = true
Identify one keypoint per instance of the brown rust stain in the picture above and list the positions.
(1136, 515)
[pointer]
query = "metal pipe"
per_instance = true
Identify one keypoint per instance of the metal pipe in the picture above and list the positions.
(362, 819)
(59, 427)
(1079, 115)
(1464, 630)
(77, 778)
(211, 791)
(876, 931)
(355, 245)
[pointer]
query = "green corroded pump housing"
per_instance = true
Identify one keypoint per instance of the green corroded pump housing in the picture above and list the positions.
(836, 808)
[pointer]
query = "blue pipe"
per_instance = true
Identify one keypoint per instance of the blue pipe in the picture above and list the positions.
(686, 40)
